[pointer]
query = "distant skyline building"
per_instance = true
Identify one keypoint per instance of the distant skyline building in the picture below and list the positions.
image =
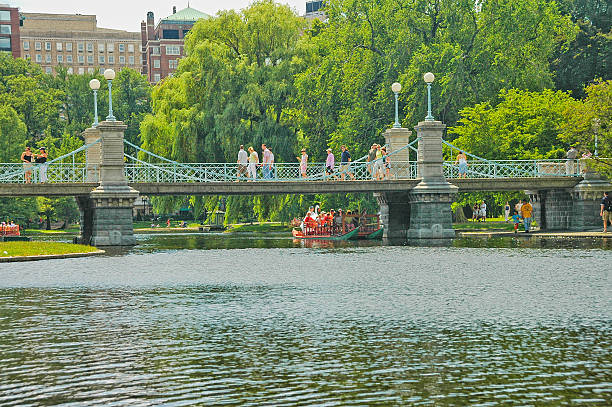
(314, 10)
(10, 22)
(163, 44)
(76, 42)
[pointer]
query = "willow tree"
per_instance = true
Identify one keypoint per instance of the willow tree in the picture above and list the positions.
(234, 87)
(474, 48)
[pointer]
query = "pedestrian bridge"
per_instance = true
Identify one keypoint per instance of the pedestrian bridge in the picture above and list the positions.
(413, 184)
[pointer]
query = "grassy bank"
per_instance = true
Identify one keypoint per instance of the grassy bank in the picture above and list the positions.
(14, 249)
(488, 225)
(259, 227)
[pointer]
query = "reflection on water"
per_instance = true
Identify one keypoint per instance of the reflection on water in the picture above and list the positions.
(265, 320)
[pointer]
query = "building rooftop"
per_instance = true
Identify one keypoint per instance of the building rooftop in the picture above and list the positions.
(186, 14)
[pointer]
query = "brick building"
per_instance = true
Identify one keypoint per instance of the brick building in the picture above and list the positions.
(76, 42)
(162, 45)
(10, 22)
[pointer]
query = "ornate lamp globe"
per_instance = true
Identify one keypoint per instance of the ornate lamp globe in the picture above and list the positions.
(396, 87)
(429, 77)
(94, 84)
(109, 74)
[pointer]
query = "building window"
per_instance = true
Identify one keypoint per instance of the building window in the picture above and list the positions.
(101, 59)
(171, 34)
(130, 47)
(80, 47)
(131, 59)
(101, 47)
(68, 59)
(5, 29)
(81, 70)
(5, 44)
(173, 50)
(173, 63)
(156, 63)
(58, 46)
(5, 15)
(156, 77)
(89, 47)
(90, 70)
(185, 32)
(48, 69)
(70, 71)
(69, 47)
(101, 71)
(37, 46)
(48, 58)
(110, 47)
(111, 59)
(121, 59)
(90, 59)
(38, 58)
(156, 51)
(81, 59)
(121, 47)
(27, 56)
(26, 45)
(60, 58)
(47, 46)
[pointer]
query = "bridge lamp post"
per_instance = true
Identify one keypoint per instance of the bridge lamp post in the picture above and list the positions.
(396, 88)
(109, 75)
(596, 122)
(429, 78)
(94, 84)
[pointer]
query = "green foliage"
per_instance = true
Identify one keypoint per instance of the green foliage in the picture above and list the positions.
(524, 125)
(12, 135)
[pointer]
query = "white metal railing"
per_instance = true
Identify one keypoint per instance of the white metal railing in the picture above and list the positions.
(227, 172)
(518, 168)
(56, 173)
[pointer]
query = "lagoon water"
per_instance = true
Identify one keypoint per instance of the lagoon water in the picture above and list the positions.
(262, 320)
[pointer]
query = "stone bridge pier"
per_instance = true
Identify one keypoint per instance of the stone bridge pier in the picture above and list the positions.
(425, 211)
(106, 214)
(574, 209)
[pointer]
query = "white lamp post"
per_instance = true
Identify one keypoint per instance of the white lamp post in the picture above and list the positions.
(94, 84)
(396, 88)
(109, 75)
(429, 78)
(596, 123)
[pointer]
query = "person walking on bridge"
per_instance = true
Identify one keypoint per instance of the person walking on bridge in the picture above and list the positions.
(253, 161)
(265, 161)
(571, 155)
(243, 161)
(345, 163)
(329, 162)
(303, 163)
(41, 160)
(27, 157)
(463, 165)
(526, 213)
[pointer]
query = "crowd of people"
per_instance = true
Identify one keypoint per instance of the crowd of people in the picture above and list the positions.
(330, 222)
(28, 158)
(378, 164)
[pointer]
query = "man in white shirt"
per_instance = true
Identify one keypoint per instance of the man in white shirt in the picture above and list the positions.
(483, 211)
(242, 163)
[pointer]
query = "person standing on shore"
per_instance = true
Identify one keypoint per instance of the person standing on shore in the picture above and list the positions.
(507, 211)
(483, 211)
(41, 160)
(243, 161)
(253, 161)
(606, 211)
(27, 157)
(526, 211)
(516, 219)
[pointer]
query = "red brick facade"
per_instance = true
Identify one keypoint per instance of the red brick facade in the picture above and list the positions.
(10, 22)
